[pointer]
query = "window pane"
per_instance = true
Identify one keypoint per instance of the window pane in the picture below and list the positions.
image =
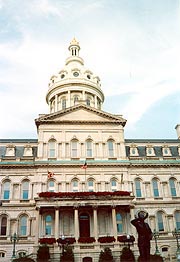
(177, 218)
(3, 226)
(110, 148)
(48, 226)
(89, 148)
(23, 226)
(74, 148)
(172, 187)
(138, 188)
(160, 221)
(52, 149)
(25, 190)
(119, 223)
(155, 188)
(6, 189)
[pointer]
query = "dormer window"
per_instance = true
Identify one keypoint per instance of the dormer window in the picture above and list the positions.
(150, 150)
(88, 76)
(28, 150)
(133, 150)
(62, 76)
(166, 151)
(10, 150)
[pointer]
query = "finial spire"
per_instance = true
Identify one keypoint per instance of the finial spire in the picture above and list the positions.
(74, 47)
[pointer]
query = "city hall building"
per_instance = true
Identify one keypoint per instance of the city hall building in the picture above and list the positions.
(82, 181)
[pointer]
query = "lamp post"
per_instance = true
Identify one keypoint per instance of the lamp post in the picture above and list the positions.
(14, 239)
(176, 234)
(63, 243)
(156, 235)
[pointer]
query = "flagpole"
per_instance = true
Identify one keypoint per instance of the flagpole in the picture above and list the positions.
(85, 178)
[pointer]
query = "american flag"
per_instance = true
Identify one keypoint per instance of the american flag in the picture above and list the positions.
(50, 174)
(84, 166)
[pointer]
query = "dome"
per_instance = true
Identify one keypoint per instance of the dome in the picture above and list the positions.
(74, 84)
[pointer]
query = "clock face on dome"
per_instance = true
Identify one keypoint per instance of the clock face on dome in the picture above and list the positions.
(75, 74)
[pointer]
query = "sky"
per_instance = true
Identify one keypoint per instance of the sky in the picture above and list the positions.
(132, 45)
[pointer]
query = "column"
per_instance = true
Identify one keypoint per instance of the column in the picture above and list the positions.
(69, 99)
(76, 223)
(114, 222)
(95, 101)
(95, 222)
(56, 226)
(38, 226)
(56, 103)
(83, 95)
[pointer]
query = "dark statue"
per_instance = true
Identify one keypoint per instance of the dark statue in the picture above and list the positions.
(144, 235)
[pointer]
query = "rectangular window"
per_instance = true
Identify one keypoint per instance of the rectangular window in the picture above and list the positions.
(6, 194)
(51, 149)
(25, 194)
(138, 188)
(155, 188)
(89, 148)
(74, 148)
(110, 149)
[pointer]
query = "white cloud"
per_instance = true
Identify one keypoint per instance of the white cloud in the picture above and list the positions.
(128, 57)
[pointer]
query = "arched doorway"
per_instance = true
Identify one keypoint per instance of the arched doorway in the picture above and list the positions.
(84, 225)
(87, 259)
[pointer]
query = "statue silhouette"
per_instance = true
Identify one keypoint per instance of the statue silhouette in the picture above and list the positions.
(144, 235)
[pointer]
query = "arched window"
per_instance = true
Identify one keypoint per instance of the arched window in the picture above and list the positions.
(119, 223)
(113, 185)
(89, 148)
(110, 148)
(23, 225)
(22, 253)
(138, 188)
(172, 186)
(48, 225)
(63, 101)
(52, 148)
(76, 98)
(155, 187)
(75, 185)
(74, 148)
(3, 222)
(6, 190)
(25, 189)
(177, 219)
(160, 221)
(90, 185)
(51, 186)
(2, 254)
(88, 102)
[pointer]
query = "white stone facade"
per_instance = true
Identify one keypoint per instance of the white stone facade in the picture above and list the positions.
(122, 176)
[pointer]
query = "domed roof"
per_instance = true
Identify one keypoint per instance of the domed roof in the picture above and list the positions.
(74, 83)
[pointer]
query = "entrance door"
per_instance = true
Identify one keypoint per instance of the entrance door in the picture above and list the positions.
(84, 225)
(87, 259)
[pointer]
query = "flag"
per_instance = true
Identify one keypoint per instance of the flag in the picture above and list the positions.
(50, 174)
(84, 166)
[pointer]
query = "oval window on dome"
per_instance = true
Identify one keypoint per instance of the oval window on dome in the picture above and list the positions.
(88, 76)
(75, 74)
(62, 76)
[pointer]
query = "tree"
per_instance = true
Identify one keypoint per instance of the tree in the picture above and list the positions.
(67, 255)
(106, 255)
(43, 254)
(127, 255)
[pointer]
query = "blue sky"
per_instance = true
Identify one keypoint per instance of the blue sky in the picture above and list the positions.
(132, 45)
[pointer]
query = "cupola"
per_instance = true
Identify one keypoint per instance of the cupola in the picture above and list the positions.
(74, 84)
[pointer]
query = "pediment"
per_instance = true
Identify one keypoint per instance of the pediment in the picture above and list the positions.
(80, 113)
